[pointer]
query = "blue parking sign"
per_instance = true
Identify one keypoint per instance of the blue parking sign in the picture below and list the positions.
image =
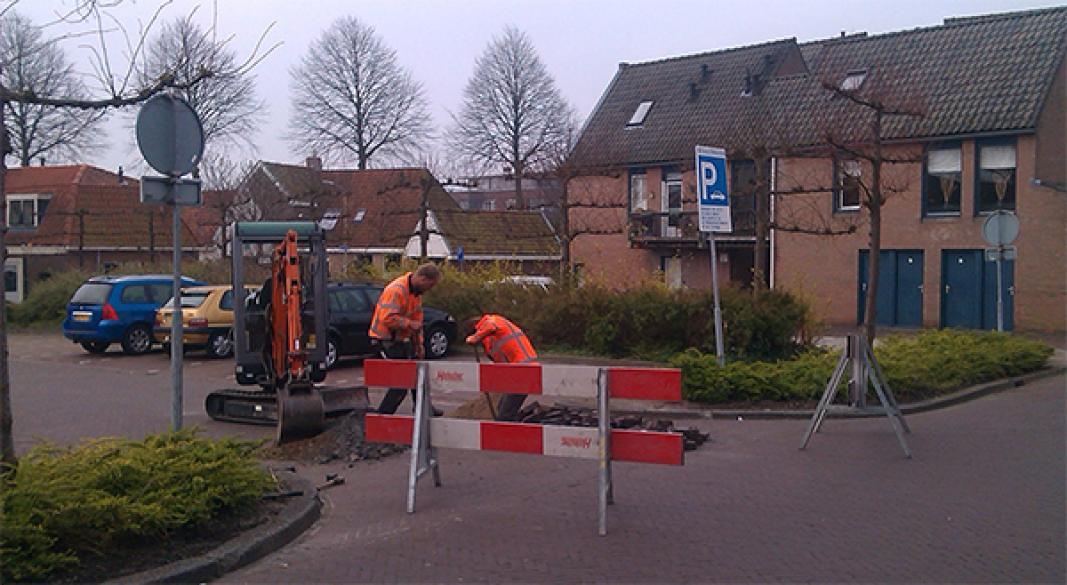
(714, 197)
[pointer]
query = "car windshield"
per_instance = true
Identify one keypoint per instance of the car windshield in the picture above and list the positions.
(92, 293)
(190, 300)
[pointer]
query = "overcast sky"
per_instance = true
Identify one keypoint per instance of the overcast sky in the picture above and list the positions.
(581, 42)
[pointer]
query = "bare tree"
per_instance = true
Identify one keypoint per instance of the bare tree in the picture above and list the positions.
(226, 102)
(116, 89)
(33, 65)
(353, 100)
(512, 112)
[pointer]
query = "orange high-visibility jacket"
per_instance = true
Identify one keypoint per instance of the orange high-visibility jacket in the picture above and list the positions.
(503, 341)
(397, 312)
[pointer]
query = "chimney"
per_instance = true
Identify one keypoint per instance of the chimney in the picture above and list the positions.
(313, 162)
(694, 91)
(705, 73)
(41, 160)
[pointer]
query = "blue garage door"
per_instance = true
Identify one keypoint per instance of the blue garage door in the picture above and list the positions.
(968, 290)
(900, 288)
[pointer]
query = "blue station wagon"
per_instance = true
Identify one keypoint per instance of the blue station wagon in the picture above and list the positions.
(118, 309)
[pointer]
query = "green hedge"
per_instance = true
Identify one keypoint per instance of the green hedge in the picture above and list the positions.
(644, 320)
(917, 367)
(63, 504)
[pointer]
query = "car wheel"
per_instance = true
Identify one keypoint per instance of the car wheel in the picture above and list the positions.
(332, 354)
(95, 346)
(220, 345)
(137, 340)
(436, 343)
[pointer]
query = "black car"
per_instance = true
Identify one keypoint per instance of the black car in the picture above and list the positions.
(351, 307)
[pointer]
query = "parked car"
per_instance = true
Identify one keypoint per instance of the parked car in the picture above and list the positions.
(117, 309)
(207, 320)
(351, 307)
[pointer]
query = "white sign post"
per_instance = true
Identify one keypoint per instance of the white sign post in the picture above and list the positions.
(714, 210)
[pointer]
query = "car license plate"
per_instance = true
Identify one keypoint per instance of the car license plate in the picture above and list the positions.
(82, 316)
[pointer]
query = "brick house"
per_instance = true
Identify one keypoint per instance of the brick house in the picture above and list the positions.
(78, 216)
(991, 91)
(369, 214)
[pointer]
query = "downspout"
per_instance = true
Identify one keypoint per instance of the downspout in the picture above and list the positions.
(774, 185)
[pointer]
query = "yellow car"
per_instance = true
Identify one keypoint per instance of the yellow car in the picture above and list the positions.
(207, 319)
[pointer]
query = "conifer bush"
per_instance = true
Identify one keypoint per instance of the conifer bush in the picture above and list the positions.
(62, 504)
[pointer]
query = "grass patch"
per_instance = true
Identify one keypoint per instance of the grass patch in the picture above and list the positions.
(65, 505)
(917, 367)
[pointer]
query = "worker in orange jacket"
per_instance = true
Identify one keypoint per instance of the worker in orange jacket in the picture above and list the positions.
(503, 342)
(396, 327)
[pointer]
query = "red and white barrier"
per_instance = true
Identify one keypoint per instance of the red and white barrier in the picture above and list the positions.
(536, 379)
(551, 440)
(601, 443)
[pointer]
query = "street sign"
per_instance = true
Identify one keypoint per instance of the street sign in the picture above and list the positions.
(713, 195)
(1001, 253)
(1001, 228)
(170, 135)
(161, 190)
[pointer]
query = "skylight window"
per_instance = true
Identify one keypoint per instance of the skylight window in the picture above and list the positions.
(358, 217)
(640, 114)
(853, 81)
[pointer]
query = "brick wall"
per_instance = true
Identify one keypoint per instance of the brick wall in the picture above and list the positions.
(825, 269)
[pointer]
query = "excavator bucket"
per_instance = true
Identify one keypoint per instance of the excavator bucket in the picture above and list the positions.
(301, 412)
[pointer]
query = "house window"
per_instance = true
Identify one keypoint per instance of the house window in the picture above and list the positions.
(853, 80)
(638, 192)
(488, 205)
(996, 177)
(847, 175)
(25, 211)
(640, 114)
(510, 204)
(941, 183)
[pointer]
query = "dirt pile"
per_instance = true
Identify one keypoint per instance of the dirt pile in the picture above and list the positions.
(341, 441)
(573, 416)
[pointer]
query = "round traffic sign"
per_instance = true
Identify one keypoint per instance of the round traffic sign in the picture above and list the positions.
(1001, 228)
(170, 135)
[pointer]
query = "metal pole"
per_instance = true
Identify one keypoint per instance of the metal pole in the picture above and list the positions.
(176, 323)
(604, 454)
(1000, 291)
(713, 255)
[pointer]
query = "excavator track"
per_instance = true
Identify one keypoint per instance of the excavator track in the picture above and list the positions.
(261, 407)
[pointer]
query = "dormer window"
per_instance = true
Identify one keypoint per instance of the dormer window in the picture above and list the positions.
(26, 211)
(854, 80)
(640, 114)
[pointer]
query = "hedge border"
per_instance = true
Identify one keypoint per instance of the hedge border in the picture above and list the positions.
(297, 516)
(695, 411)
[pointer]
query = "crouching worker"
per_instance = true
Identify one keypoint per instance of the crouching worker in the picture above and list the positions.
(503, 342)
(396, 328)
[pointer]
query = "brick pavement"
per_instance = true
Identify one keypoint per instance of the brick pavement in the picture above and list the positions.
(983, 501)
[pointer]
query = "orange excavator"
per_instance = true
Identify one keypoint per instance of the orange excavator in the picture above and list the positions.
(277, 330)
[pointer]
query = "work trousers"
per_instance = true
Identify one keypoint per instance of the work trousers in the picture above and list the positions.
(396, 350)
(509, 407)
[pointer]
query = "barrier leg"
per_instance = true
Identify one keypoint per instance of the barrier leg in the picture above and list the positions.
(604, 452)
(827, 397)
(423, 456)
(891, 414)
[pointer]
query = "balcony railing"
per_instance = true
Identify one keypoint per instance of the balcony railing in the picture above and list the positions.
(681, 227)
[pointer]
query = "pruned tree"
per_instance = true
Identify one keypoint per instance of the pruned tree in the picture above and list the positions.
(512, 112)
(226, 102)
(352, 100)
(116, 89)
(34, 65)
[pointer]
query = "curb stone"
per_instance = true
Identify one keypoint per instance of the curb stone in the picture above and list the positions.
(960, 396)
(296, 517)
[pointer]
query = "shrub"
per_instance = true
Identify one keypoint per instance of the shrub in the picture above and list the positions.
(46, 304)
(63, 504)
(916, 367)
(646, 320)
